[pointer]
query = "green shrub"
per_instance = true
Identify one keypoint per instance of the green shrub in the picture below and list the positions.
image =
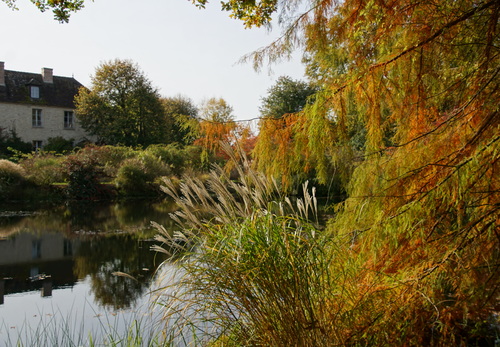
(140, 176)
(172, 154)
(179, 158)
(44, 169)
(154, 166)
(131, 178)
(108, 158)
(58, 144)
(111, 157)
(10, 142)
(84, 174)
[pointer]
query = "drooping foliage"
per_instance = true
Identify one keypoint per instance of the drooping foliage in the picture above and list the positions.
(279, 152)
(409, 97)
(216, 126)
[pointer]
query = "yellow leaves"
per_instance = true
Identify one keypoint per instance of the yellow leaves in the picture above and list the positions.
(213, 133)
(274, 148)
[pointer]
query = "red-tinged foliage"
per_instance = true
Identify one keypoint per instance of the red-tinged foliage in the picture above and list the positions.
(248, 144)
(213, 134)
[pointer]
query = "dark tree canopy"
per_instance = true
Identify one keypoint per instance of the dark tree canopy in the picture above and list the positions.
(182, 116)
(286, 96)
(122, 107)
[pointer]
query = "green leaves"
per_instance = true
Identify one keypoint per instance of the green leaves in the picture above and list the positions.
(62, 9)
(252, 13)
(122, 106)
(286, 96)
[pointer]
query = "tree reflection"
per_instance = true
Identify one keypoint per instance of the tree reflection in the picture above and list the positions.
(105, 217)
(100, 237)
(99, 258)
(90, 216)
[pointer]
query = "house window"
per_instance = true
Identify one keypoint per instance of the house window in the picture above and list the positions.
(68, 120)
(36, 118)
(35, 92)
(37, 145)
(68, 248)
(36, 249)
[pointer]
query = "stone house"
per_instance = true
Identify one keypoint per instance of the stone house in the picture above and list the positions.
(39, 106)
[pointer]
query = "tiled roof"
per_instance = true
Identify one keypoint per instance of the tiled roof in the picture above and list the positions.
(60, 93)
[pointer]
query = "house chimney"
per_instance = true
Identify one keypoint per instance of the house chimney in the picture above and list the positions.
(47, 75)
(2, 73)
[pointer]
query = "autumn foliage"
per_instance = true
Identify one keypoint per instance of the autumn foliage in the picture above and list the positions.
(421, 80)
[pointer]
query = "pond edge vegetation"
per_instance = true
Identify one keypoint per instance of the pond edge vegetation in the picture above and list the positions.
(255, 269)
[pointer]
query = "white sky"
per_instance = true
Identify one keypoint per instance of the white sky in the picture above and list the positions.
(181, 49)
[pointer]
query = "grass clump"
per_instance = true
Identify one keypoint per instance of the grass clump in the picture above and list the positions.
(261, 282)
(12, 176)
(256, 271)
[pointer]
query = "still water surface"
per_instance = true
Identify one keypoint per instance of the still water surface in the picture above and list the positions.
(57, 265)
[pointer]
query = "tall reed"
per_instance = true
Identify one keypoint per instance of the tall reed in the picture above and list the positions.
(220, 200)
(257, 271)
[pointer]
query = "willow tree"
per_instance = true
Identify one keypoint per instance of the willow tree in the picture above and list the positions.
(422, 217)
(423, 213)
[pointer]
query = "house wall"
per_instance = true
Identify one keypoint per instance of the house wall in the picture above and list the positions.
(26, 248)
(18, 117)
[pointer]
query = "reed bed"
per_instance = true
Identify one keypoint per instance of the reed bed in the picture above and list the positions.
(256, 270)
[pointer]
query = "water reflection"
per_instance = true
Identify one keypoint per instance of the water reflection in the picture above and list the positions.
(100, 258)
(50, 249)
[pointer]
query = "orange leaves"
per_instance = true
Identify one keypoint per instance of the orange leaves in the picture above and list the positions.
(274, 148)
(213, 133)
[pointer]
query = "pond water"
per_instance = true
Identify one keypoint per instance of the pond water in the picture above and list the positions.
(57, 267)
